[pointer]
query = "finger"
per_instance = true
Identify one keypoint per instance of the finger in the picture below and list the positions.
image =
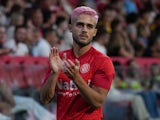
(71, 63)
(68, 73)
(77, 62)
(64, 57)
(67, 64)
(56, 51)
(51, 53)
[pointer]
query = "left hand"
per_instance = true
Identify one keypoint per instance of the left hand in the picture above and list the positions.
(72, 69)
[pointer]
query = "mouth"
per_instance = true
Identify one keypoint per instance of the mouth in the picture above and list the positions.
(83, 36)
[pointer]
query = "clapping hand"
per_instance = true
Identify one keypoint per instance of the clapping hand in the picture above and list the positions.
(56, 63)
(71, 68)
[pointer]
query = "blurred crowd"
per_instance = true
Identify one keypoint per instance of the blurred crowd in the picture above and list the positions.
(127, 28)
(138, 85)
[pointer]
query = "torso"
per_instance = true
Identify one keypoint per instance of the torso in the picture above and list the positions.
(71, 104)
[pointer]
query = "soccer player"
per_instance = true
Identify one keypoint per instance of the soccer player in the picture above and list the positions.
(81, 76)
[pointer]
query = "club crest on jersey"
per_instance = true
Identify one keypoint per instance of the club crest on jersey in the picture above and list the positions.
(84, 68)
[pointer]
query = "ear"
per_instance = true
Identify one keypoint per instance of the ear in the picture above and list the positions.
(95, 32)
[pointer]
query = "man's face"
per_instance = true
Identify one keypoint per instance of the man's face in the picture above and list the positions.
(20, 34)
(37, 18)
(83, 29)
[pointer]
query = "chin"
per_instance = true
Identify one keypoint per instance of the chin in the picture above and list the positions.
(82, 42)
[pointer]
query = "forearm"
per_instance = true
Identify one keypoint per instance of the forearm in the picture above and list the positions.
(47, 91)
(92, 95)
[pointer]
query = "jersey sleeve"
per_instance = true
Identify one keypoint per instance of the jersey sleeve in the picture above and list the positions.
(104, 74)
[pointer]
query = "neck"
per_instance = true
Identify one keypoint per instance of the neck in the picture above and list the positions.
(78, 51)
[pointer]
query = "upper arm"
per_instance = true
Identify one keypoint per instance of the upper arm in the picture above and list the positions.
(103, 75)
(102, 79)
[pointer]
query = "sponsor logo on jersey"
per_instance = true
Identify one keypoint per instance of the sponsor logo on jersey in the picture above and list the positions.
(68, 88)
(64, 85)
(84, 68)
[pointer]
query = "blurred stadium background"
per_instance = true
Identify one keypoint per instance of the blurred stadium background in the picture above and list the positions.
(129, 32)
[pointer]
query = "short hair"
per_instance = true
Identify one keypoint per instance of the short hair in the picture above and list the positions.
(47, 31)
(60, 20)
(19, 27)
(84, 10)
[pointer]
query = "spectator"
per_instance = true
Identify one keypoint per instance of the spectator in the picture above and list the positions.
(130, 6)
(30, 39)
(107, 17)
(131, 28)
(139, 49)
(143, 34)
(119, 44)
(49, 19)
(63, 33)
(3, 50)
(11, 104)
(37, 18)
(133, 75)
(118, 5)
(117, 96)
(18, 45)
(51, 36)
(144, 18)
(3, 17)
(155, 77)
(62, 26)
(101, 40)
(151, 4)
(17, 19)
(155, 29)
(154, 49)
(40, 47)
(151, 100)
(7, 101)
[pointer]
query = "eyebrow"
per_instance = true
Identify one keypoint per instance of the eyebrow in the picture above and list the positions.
(87, 24)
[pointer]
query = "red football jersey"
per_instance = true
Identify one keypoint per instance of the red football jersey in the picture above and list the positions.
(96, 69)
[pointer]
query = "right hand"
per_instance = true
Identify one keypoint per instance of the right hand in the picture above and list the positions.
(56, 63)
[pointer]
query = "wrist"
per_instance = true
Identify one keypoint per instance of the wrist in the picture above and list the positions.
(55, 73)
(77, 77)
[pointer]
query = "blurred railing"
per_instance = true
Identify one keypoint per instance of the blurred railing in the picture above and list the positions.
(30, 71)
(23, 71)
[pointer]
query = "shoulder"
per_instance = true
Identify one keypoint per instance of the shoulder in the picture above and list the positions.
(100, 56)
(10, 41)
(10, 44)
(43, 41)
(103, 62)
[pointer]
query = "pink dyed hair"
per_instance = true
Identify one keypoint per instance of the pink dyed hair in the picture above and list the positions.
(84, 10)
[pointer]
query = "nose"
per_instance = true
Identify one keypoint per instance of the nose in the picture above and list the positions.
(84, 29)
